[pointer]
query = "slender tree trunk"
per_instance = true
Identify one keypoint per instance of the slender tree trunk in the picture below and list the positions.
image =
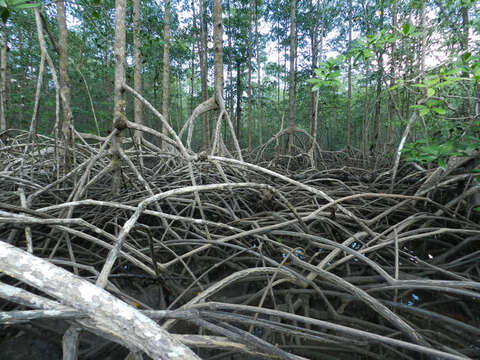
(292, 107)
(155, 87)
(3, 78)
(119, 116)
(314, 43)
(230, 60)
(67, 124)
(464, 44)
(366, 122)
(107, 86)
(218, 50)
(279, 79)
(378, 101)
(166, 68)
(196, 33)
(422, 42)
(393, 64)
(192, 76)
(137, 75)
(203, 72)
(239, 100)
(249, 94)
(179, 102)
(259, 80)
(349, 76)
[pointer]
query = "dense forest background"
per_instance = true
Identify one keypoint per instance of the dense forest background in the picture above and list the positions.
(249, 179)
(372, 65)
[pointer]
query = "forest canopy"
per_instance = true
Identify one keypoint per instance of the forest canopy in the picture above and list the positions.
(248, 179)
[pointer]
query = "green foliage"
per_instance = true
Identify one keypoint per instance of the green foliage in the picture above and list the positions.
(6, 6)
(438, 149)
(327, 73)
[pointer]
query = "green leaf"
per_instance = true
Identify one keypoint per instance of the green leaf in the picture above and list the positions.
(14, 3)
(406, 29)
(430, 149)
(27, 6)
(446, 148)
(367, 53)
(442, 163)
(444, 83)
(466, 56)
(4, 14)
(432, 102)
(454, 71)
(477, 209)
(430, 92)
(424, 112)
(3, 4)
(418, 107)
(432, 81)
(439, 111)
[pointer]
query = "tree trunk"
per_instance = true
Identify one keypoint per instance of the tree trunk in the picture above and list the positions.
(203, 72)
(259, 81)
(137, 75)
(166, 68)
(230, 60)
(378, 100)
(249, 94)
(67, 124)
(218, 50)
(393, 64)
(192, 74)
(291, 92)
(3, 78)
(279, 80)
(107, 86)
(119, 116)
(316, 39)
(349, 76)
(465, 111)
(366, 122)
(239, 100)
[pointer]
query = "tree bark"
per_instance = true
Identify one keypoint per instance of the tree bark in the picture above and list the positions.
(239, 100)
(3, 78)
(249, 90)
(464, 44)
(314, 44)
(349, 77)
(137, 74)
(291, 92)
(366, 122)
(259, 81)
(119, 116)
(204, 72)
(218, 50)
(67, 123)
(393, 64)
(166, 68)
(378, 100)
(107, 313)
(230, 60)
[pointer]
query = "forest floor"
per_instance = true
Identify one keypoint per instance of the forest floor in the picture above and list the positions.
(270, 258)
